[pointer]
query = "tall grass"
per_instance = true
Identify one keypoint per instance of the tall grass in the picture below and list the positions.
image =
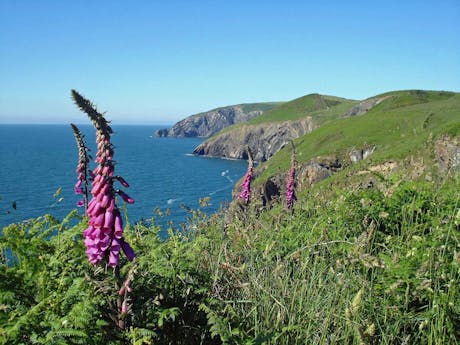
(363, 266)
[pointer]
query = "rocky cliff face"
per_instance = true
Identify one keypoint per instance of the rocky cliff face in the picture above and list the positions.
(447, 154)
(209, 123)
(363, 107)
(264, 139)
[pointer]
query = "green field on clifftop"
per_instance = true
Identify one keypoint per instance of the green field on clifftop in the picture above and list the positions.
(396, 127)
(320, 107)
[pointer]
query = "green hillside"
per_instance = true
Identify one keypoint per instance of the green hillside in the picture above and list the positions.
(320, 107)
(266, 106)
(397, 127)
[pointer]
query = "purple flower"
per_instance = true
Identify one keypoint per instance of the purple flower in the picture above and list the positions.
(104, 235)
(124, 307)
(129, 252)
(78, 190)
(125, 197)
(82, 169)
(81, 203)
(290, 188)
(122, 181)
(245, 193)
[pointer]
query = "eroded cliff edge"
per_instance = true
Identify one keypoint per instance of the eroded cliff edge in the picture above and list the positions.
(265, 139)
(267, 134)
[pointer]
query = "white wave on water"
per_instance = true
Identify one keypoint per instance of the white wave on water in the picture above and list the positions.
(171, 201)
(220, 190)
(225, 174)
(213, 157)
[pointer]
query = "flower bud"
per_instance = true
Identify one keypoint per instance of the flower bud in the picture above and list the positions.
(122, 290)
(125, 197)
(124, 307)
(108, 219)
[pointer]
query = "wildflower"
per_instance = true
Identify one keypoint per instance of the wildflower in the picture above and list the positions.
(104, 235)
(82, 167)
(290, 188)
(245, 193)
(125, 197)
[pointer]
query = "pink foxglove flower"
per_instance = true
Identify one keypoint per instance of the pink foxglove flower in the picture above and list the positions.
(290, 187)
(104, 235)
(245, 193)
(125, 197)
(81, 187)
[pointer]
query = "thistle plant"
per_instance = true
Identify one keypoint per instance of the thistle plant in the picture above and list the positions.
(81, 187)
(245, 193)
(290, 187)
(104, 235)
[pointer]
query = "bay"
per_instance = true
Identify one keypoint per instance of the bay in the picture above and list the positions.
(38, 160)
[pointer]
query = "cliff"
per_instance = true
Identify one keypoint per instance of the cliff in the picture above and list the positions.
(270, 132)
(209, 123)
(264, 139)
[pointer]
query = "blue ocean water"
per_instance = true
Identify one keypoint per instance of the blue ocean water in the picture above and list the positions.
(37, 160)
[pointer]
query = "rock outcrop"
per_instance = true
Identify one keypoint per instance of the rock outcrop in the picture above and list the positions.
(264, 139)
(363, 107)
(447, 154)
(357, 155)
(209, 123)
(162, 133)
(308, 173)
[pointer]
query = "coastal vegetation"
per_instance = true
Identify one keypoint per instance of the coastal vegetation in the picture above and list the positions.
(361, 251)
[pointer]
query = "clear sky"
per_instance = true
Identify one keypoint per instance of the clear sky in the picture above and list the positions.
(159, 61)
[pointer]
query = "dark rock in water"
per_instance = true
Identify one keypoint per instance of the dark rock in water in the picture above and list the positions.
(161, 133)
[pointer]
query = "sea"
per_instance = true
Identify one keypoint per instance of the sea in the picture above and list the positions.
(38, 163)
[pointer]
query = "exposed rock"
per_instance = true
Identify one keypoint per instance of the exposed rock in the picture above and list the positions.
(384, 168)
(357, 155)
(313, 172)
(447, 153)
(363, 107)
(274, 188)
(264, 139)
(161, 133)
(209, 123)
(271, 192)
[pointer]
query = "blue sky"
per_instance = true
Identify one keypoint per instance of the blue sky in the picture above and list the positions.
(159, 61)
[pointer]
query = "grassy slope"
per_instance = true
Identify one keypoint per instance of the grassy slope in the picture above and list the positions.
(350, 265)
(266, 106)
(321, 108)
(398, 126)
